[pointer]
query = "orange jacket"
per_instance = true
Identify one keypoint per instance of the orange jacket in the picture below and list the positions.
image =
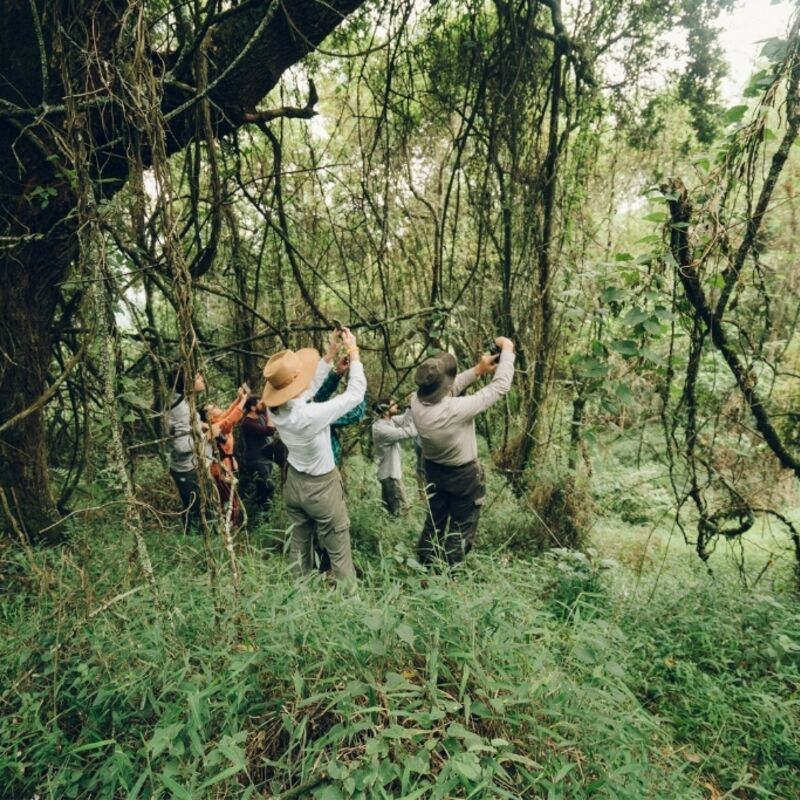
(224, 423)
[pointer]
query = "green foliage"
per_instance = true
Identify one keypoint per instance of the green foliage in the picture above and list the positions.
(517, 678)
(724, 669)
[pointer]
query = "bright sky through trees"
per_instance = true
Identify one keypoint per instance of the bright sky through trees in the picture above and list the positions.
(742, 32)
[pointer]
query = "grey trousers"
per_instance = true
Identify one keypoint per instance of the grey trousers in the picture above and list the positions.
(316, 502)
(455, 497)
(393, 494)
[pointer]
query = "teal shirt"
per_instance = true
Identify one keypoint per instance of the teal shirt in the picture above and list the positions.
(325, 392)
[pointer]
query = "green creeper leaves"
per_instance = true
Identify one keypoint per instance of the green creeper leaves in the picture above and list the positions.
(635, 317)
(734, 115)
(775, 49)
(625, 347)
(589, 367)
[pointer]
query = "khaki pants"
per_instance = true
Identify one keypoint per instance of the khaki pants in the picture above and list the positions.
(316, 502)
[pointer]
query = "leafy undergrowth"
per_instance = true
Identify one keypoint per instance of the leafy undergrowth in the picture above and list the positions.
(540, 678)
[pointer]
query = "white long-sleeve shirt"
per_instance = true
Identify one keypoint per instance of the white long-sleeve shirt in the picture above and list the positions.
(447, 428)
(304, 426)
(387, 435)
(182, 454)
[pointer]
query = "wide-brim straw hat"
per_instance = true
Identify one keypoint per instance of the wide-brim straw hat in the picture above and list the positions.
(288, 375)
(435, 377)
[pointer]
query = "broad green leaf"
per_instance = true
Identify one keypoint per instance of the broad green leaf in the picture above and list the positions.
(162, 738)
(466, 765)
(734, 114)
(612, 294)
(774, 49)
(625, 347)
(406, 634)
(635, 317)
(664, 314)
(329, 792)
(623, 392)
(591, 368)
(652, 356)
(377, 747)
(374, 620)
(652, 326)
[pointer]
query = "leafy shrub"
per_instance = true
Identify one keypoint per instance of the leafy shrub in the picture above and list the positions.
(563, 508)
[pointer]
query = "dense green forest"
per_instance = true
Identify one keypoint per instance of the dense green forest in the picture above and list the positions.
(199, 185)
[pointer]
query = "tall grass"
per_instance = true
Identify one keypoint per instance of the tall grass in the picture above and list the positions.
(517, 678)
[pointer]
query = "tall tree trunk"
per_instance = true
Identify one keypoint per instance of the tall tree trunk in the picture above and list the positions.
(29, 277)
(543, 312)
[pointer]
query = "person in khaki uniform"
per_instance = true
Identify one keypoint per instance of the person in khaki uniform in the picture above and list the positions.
(445, 422)
(313, 492)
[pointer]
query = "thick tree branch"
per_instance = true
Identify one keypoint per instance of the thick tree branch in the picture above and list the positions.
(680, 216)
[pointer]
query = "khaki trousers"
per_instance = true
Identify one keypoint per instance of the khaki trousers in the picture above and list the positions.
(316, 502)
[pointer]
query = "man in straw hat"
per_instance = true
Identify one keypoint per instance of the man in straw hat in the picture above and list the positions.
(445, 422)
(313, 492)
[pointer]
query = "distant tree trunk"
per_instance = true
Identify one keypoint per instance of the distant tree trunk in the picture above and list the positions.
(244, 320)
(543, 310)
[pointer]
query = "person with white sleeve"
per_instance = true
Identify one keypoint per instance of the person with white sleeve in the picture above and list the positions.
(388, 430)
(313, 492)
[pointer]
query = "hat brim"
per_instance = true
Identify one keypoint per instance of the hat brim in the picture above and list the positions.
(309, 359)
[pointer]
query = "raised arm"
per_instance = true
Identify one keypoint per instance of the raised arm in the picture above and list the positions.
(232, 414)
(322, 371)
(324, 366)
(386, 431)
(468, 407)
(463, 380)
(320, 415)
(329, 386)
(406, 422)
(351, 417)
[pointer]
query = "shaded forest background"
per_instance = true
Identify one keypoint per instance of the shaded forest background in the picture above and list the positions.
(205, 183)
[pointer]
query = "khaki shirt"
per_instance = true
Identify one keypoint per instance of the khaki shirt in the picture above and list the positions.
(447, 428)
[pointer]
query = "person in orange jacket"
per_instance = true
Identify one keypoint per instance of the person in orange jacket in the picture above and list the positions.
(223, 468)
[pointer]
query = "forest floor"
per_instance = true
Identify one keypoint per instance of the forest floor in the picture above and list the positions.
(623, 671)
